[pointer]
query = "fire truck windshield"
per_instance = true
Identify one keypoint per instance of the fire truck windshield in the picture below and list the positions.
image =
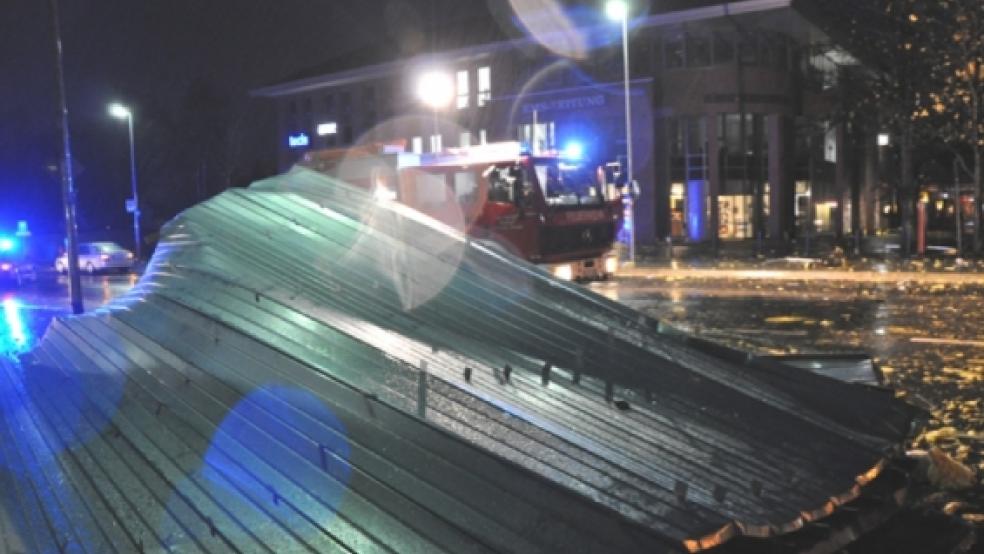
(568, 184)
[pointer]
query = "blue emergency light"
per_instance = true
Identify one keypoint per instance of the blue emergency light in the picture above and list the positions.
(573, 150)
(7, 244)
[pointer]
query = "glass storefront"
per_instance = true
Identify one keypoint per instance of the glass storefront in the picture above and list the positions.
(825, 216)
(678, 211)
(735, 214)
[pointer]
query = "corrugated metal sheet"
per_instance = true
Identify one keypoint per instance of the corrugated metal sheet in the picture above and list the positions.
(305, 368)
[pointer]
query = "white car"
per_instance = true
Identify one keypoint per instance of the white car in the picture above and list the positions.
(98, 256)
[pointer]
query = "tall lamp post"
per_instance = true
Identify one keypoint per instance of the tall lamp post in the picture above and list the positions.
(68, 183)
(122, 112)
(618, 10)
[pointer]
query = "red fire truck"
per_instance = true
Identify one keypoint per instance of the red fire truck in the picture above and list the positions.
(549, 210)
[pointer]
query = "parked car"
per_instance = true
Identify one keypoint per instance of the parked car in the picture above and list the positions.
(98, 256)
(14, 271)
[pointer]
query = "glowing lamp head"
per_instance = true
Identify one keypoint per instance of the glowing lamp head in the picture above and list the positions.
(7, 244)
(573, 150)
(435, 89)
(564, 272)
(119, 110)
(611, 265)
(616, 10)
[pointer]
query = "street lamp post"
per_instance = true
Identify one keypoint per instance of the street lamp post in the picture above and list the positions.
(67, 180)
(618, 10)
(122, 112)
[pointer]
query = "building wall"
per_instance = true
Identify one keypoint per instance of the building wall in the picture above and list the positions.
(691, 84)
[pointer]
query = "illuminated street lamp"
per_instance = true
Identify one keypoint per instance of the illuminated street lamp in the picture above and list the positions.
(120, 111)
(618, 10)
(435, 89)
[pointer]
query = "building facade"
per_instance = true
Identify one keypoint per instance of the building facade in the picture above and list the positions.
(730, 105)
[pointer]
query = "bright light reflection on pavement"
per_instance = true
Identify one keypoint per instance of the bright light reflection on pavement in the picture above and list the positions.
(27, 310)
(14, 335)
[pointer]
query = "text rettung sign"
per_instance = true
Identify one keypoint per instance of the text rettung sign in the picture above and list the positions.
(565, 104)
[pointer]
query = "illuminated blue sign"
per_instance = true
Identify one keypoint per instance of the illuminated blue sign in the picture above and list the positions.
(299, 140)
(696, 191)
(7, 244)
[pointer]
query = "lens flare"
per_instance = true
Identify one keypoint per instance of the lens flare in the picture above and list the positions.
(547, 23)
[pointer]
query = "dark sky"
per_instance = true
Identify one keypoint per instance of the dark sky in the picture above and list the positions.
(148, 53)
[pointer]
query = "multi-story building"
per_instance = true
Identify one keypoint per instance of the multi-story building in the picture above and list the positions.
(730, 103)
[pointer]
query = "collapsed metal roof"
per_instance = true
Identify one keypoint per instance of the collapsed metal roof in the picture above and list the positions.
(303, 367)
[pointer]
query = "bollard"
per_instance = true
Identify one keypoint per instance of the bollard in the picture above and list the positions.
(422, 391)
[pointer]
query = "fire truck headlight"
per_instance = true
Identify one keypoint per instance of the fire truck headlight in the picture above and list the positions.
(383, 194)
(611, 265)
(564, 272)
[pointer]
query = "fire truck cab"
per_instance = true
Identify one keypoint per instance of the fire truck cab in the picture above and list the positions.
(551, 211)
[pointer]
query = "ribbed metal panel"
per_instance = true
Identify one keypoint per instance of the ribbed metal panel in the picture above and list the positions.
(304, 368)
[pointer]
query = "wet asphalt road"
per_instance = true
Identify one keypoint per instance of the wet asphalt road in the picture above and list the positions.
(927, 335)
(27, 310)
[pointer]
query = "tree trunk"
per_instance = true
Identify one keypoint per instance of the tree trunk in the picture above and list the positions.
(975, 141)
(855, 166)
(978, 195)
(907, 208)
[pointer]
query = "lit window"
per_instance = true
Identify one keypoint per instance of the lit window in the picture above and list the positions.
(435, 143)
(465, 140)
(417, 145)
(483, 137)
(462, 89)
(329, 128)
(484, 86)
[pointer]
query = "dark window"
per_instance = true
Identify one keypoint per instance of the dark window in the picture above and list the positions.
(347, 134)
(749, 50)
(603, 66)
(724, 49)
(676, 137)
(346, 100)
(292, 107)
(698, 51)
(369, 95)
(729, 129)
(307, 105)
(507, 184)
(329, 101)
(696, 135)
(674, 54)
(780, 52)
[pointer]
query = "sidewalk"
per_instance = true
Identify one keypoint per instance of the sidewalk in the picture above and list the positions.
(814, 269)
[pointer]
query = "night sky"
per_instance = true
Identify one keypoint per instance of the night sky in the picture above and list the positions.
(185, 67)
